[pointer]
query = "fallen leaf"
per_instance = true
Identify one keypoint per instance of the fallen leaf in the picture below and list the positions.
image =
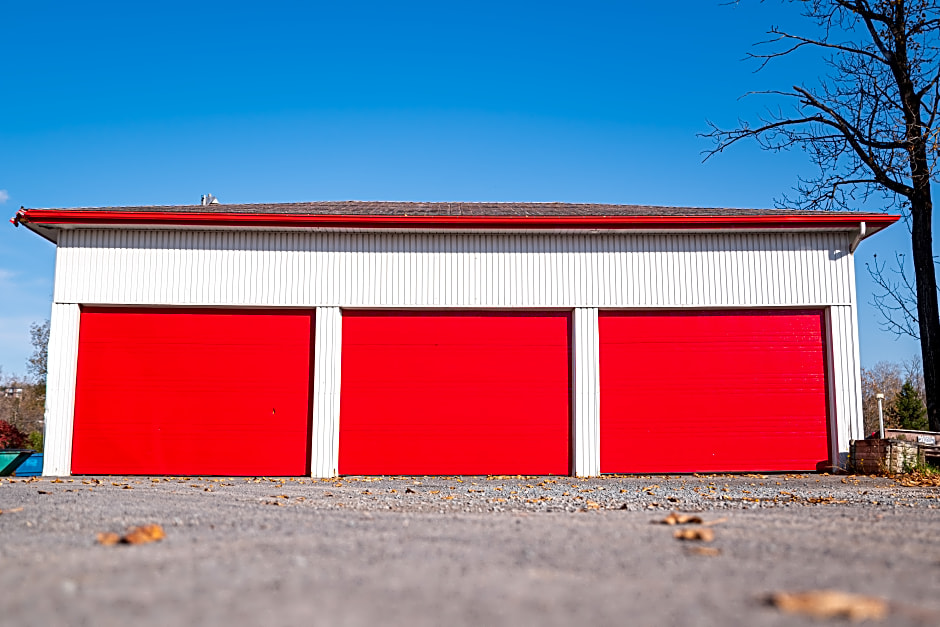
(107, 538)
(43, 492)
(717, 521)
(10, 511)
(144, 534)
(435, 491)
(701, 535)
(829, 604)
(409, 491)
(706, 551)
(675, 518)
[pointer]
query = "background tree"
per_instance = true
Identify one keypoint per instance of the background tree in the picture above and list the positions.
(883, 378)
(22, 400)
(909, 407)
(890, 378)
(36, 364)
(870, 125)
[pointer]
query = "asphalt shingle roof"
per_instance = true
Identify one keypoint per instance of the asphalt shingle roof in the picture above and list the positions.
(472, 209)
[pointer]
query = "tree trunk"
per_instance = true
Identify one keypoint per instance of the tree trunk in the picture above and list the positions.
(927, 313)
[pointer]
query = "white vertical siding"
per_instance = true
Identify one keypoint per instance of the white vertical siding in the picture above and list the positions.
(324, 456)
(60, 389)
(341, 269)
(845, 381)
(585, 405)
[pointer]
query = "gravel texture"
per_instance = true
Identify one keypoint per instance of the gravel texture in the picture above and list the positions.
(461, 550)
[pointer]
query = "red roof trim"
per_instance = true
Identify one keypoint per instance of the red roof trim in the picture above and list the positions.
(52, 217)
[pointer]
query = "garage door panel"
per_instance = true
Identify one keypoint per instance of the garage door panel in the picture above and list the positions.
(435, 364)
(192, 392)
(712, 391)
(454, 393)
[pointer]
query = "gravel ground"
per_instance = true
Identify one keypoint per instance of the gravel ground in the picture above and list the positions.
(461, 550)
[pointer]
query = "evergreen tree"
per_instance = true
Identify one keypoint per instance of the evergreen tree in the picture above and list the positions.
(909, 407)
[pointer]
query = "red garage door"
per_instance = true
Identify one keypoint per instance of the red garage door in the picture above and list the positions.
(454, 393)
(186, 392)
(712, 391)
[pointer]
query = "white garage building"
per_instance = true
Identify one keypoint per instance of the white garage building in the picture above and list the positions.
(450, 338)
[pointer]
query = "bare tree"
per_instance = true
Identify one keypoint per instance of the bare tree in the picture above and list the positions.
(36, 364)
(870, 125)
(883, 378)
(21, 403)
(897, 301)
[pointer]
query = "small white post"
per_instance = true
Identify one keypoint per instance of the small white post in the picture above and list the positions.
(881, 416)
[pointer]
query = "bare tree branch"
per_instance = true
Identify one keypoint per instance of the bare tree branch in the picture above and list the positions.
(898, 300)
(869, 124)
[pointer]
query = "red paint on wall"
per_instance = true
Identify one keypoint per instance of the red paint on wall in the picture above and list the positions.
(712, 391)
(192, 392)
(454, 393)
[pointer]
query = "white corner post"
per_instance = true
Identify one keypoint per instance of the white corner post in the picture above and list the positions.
(586, 393)
(845, 387)
(327, 360)
(60, 389)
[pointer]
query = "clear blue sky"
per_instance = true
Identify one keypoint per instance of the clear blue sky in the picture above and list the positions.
(132, 103)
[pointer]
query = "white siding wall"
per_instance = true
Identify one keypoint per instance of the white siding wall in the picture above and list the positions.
(845, 387)
(586, 395)
(324, 456)
(331, 270)
(452, 270)
(60, 389)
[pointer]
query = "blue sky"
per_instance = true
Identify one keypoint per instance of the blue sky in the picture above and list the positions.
(128, 103)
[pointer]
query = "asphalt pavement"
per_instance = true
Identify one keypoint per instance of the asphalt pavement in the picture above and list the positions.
(463, 550)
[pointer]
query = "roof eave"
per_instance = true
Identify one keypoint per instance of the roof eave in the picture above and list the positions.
(42, 220)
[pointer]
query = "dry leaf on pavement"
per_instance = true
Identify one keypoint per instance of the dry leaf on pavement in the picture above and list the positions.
(107, 538)
(676, 518)
(829, 604)
(706, 551)
(701, 535)
(717, 521)
(144, 534)
(135, 535)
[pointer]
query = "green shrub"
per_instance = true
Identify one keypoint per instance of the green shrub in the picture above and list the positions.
(34, 441)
